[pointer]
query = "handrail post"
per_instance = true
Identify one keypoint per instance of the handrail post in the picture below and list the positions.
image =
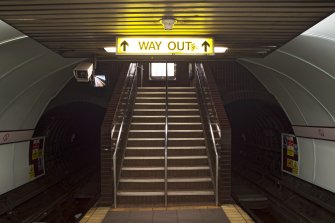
(114, 175)
(166, 136)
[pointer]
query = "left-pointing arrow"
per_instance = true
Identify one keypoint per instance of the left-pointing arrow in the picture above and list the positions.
(124, 44)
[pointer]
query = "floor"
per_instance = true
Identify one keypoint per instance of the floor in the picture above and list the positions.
(204, 214)
(214, 215)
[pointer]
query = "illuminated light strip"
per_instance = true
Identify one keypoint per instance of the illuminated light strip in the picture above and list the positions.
(220, 49)
(13, 39)
(110, 49)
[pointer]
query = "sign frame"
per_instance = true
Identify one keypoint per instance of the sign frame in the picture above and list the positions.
(285, 149)
(31, 158)
(146, 52)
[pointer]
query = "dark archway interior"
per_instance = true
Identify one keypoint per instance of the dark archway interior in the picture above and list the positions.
(256, 135)
(72, 135)
(72, 161)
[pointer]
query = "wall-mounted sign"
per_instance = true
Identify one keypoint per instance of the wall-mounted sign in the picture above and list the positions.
(164, 46)
(36, 157)
(15, 136)
(290, 154)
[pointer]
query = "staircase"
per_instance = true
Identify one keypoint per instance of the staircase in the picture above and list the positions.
(142, 180)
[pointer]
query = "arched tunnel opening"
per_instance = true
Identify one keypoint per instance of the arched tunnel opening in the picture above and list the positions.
(72, 159)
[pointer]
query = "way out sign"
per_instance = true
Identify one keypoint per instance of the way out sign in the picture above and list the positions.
(164, 46)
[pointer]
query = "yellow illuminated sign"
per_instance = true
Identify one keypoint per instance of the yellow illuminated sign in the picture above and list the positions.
(164, 46)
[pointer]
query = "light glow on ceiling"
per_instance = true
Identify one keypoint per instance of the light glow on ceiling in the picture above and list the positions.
(110, 49)
(220, 49)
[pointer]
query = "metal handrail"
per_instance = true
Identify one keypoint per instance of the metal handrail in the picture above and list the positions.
(121, 128)
(212, 135)
(119, 104)
(166, 137)
(211, 101)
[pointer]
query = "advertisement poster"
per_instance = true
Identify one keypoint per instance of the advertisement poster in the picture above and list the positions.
(36, 158)
(290, 154)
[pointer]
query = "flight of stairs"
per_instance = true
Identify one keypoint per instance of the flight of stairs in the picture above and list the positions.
(142, 175)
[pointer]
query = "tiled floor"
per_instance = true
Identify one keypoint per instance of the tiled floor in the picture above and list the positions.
(212, 215)
(197, 214)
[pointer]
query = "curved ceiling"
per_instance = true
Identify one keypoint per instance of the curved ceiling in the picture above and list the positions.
(30, 76)
(301, 75)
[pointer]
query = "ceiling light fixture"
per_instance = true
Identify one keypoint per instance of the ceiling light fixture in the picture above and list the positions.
(168, 23)
(220, 49)
(110, 49)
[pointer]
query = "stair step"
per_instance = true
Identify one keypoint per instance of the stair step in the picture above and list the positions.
(189, 179)
(146, 139)
(163, 92)
(134, 131)
(163, 116)
(188, 168)
(163, 123)
(144, 158)
(162, 157)
(151, 168)
(141, 180)
(186, 147)
(187, 157)
(160, 180)
(163, 109)
(140, 193)
(191, 193)
(149, 88)
(176, 98)
(141, 148)
(160, 103)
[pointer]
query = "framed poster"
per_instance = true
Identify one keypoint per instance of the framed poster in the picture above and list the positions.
(36, 158)
(290, 154)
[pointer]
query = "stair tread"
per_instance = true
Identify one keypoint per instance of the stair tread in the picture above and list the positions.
(162, 157)
(163, 116)
(165, 87)
(153, 130)
(161, 193)
(150, 168)
(163, 109)
(163, 123)
(161, 97)
(163, 92)
(160, 180)
(142, 180)
(169, 148)
(190, 192)
(134, 168)
(163, 103)
(140, 193)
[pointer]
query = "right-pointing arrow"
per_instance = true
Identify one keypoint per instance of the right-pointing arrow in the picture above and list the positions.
(205, 45)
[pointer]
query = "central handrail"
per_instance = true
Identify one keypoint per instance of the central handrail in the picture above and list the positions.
(132, 72)
(207, 116)
(166, 137)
